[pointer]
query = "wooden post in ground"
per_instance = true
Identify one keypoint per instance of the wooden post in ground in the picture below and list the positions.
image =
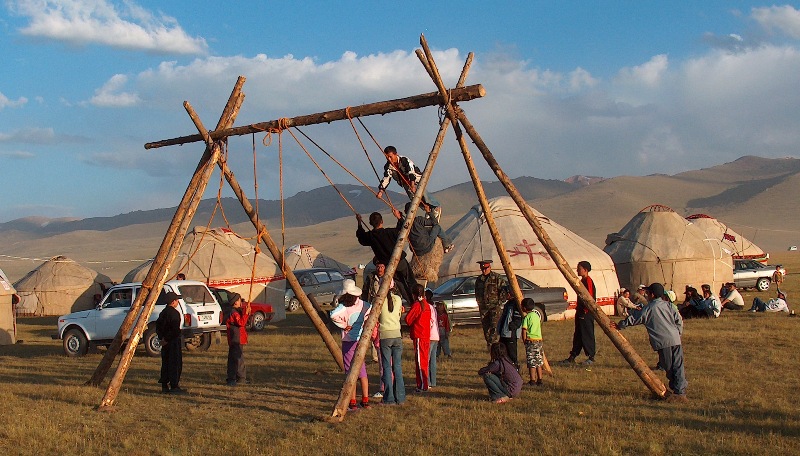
(620, 342)
(177, 229)
(277, 254)
(340, 409)
(426, 57)
(433, 72)
(136, 334)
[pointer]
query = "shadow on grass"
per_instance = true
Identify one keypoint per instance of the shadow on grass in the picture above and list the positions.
(23, 350)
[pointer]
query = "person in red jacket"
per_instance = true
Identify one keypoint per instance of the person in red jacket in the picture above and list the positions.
(419, 321)
(237, 337)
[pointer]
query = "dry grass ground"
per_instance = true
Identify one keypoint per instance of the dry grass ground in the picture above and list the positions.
(742, 371)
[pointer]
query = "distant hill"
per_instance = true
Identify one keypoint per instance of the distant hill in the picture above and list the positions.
(584, 180)
(756, 196)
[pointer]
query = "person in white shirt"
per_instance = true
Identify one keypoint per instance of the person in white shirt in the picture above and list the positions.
(773, 305)
(733, 299)
(711, 302)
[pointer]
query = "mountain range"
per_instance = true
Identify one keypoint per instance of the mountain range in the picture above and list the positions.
(755, 196)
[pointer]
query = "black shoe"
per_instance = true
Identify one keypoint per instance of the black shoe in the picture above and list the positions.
(567, 362)
(230, 383)
(178, 390)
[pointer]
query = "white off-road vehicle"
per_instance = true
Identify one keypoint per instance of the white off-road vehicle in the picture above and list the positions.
(200, 311)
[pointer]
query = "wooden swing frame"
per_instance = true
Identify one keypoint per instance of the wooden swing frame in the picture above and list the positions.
(141, 309)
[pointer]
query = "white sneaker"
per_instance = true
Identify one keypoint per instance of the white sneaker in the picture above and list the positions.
(378, 395)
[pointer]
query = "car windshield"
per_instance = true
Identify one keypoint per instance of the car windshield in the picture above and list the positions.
(448, 287)
(336, 276)
(322, 276)
(195, 294)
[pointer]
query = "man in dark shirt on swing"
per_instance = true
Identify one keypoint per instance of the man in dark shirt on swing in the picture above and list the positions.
(382, 241)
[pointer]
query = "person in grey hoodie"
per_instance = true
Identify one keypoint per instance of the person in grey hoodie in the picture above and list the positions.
(664, 328)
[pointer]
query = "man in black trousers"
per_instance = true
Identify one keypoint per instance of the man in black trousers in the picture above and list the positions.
(168, 329)
(583, 337)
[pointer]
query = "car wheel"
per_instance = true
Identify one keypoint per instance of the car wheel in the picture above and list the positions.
(259, 321)
(542, 314)
(762, 284)
(201, 342)
(152, 344)
(75, 343)
(294, 305)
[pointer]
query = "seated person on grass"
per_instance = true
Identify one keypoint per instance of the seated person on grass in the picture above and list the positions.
(733, 299)
(773, 305)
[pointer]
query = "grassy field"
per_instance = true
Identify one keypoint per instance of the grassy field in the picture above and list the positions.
(742, 371)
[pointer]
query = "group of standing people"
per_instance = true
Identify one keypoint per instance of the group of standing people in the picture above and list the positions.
(502, 327)
(168, 330)
(425, 322)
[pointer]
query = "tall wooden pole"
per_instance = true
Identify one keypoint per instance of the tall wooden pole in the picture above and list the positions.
(433, 72)
(176, 231)
(276, 252)
(340, 409)
(130, 349)
(383, 107)
(620, 342)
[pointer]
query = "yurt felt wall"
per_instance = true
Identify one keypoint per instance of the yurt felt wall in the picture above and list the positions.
(8, 326)
(222, 259)
(658, 245)
(529, 259)
(59, 286)
(303, 256)
(735, 243)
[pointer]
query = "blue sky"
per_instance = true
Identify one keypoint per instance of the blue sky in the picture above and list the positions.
(573, 87)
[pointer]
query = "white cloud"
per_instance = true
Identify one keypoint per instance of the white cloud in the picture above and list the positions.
(648, 74)
(17, 155)
(784, 19)
(110, 95)
(6, 103)
(37, 135)
(128, 26)
(30, 136)
(662, 114)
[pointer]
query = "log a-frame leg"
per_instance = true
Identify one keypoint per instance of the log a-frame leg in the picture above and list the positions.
(457, 115)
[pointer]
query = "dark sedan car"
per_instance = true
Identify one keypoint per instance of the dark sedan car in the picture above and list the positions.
(458, 294)
(323, 283)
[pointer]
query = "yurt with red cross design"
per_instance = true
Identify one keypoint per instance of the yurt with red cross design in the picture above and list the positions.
(473, 242)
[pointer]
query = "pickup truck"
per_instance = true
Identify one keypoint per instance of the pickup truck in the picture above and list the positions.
(202, 316)
(458, 294)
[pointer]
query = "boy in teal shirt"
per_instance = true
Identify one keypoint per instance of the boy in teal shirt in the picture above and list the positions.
(532, 335)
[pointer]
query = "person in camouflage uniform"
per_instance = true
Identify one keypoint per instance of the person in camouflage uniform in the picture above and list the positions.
(488, 287)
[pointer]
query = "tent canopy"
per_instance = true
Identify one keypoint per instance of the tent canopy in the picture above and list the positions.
(59, 286)
(221, 258)
(658, 245)
(529, 259)
(8, 326)
(735, 243)
(304, 256)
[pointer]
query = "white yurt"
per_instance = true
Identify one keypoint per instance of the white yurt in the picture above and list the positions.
(59, 286)
(528, 257)
(735, 243)
(8, 323)
(304, 256)
(222, 259)
(658, 245)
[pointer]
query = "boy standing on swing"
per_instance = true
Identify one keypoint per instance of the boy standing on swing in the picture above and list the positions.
(405, 173)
